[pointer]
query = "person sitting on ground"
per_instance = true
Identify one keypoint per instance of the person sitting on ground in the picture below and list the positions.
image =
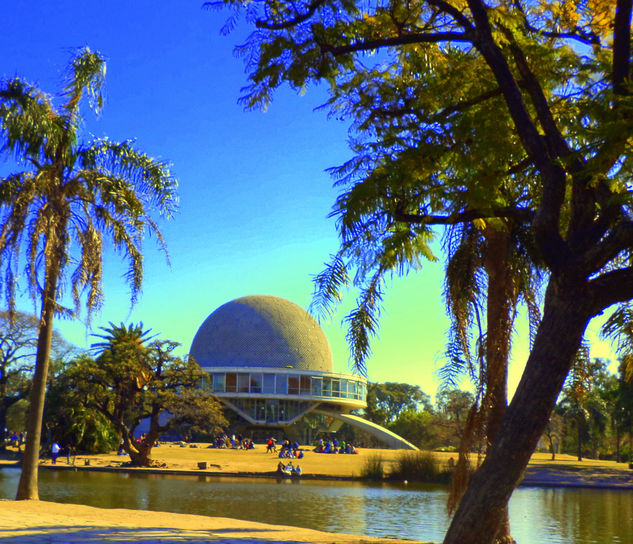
(281, 468)
(297, 471)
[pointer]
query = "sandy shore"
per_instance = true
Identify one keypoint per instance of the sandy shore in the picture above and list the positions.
(40, 522)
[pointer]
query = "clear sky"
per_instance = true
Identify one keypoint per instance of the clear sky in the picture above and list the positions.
(254, 194)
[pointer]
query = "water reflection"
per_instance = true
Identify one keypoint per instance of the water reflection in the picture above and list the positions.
(556, 516)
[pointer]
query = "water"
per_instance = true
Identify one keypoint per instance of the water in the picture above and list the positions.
(549, 516)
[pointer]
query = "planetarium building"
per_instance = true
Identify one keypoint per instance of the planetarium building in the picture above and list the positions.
(270, 362)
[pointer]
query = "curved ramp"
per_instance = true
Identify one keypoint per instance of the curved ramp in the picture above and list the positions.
(391, 439)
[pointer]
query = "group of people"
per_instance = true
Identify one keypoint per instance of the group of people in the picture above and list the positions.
(289, 469)
(14, 438)
(287, 451)
(56, 449)
(236, 442)
(334, 446)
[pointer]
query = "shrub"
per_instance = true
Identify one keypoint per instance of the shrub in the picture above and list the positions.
(373, 468)
(419, 466)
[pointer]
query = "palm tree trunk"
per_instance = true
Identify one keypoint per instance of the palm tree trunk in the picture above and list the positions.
(498, 338)
(482, 507)
(27, 487)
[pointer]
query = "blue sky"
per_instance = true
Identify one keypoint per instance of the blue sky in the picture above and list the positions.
(254, 194)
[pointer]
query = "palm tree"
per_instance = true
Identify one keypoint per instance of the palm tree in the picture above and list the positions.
(56, 213)
(488, 273)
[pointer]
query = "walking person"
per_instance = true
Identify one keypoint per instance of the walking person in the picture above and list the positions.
(69, 453)
(55, 449)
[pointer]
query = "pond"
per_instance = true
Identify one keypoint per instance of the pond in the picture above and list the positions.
(552, 516)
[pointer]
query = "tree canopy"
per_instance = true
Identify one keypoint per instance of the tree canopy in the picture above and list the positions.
(18, 347)
(387, 401)
(135, 378)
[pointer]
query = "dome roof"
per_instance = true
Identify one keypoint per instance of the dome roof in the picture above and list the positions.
(262, 331)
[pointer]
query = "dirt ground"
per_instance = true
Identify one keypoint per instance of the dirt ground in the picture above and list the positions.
(564, 471)
(256, 461)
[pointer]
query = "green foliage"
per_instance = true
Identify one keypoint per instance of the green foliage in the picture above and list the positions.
(18, 346)
(414, 426)
(387, 401)
(71, 420)
(135, 377)
(16, 415)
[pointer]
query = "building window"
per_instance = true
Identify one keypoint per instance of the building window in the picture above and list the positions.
(305, 385)
(353, 390)
(269, 383)
(231, 382)
(317, 386)
(327, 387)
(293, 385)
(344, 388)
(271, 409)
(256, 383)
(243, 385)
(218, 383)
(336, 388)
(282, 385)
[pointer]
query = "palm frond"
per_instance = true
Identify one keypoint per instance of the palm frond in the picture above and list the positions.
(363, 322)
(86, 75)
(328, 287)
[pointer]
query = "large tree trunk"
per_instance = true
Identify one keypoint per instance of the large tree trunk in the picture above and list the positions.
(482, 507)
(27, 487)
(3, 423)
(499, 320)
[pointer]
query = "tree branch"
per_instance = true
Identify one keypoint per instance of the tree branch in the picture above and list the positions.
(546, 220)
(622, 46)
(613, 147)
(451, 10)
(610, 288)
(619, 239)
(369, 45)
(300, 18)
(587, 38)
(520, 214)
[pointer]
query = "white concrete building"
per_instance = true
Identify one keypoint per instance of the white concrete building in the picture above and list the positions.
(270, 362)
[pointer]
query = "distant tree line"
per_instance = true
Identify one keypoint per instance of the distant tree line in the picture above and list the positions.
(408, 411)
(594, 414)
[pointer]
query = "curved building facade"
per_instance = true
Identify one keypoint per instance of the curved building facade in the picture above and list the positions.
(270, 362)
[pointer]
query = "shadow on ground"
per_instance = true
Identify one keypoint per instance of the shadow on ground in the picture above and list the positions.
(96, 535)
